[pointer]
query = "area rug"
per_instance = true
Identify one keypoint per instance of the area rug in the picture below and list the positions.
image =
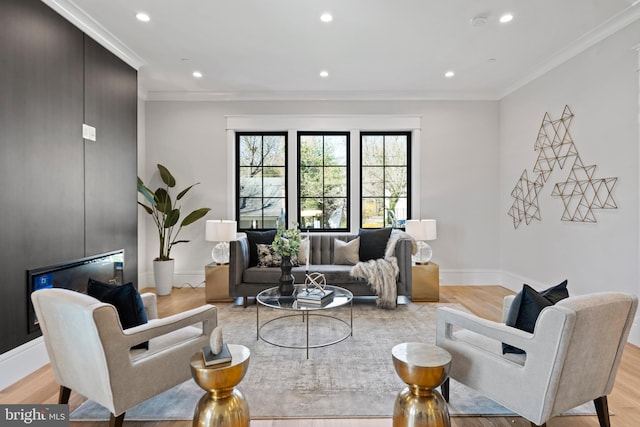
(350, 379)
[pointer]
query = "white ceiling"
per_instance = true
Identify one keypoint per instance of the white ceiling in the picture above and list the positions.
(373, 49)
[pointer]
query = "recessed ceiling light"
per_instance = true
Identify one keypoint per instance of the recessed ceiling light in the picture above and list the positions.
(449, 74)
(197, 74)
(507, 17)
(324, 74)
(326, 17)
(141, 16)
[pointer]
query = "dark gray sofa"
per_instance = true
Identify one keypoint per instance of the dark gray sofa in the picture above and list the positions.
(245, 281)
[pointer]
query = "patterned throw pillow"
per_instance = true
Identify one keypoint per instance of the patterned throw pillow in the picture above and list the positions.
(267, 257)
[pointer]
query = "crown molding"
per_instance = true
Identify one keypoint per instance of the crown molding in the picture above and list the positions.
(74, 14)
(322, 96)
(591, 38)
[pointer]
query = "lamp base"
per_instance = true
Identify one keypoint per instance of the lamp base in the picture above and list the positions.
(423, 254)
(220, 253)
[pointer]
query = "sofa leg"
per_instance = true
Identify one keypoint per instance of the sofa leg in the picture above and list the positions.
(602, 409)
(116, 421)
(536, 425)
(63, 397)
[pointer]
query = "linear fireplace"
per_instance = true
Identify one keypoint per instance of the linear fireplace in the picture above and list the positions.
(107, 267)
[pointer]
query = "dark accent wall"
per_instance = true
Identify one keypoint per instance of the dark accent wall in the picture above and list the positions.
(61, 198)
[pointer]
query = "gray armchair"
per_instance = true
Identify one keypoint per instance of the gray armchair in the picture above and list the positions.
(571, 358)
(91, 354)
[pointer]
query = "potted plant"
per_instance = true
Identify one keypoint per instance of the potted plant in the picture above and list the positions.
(286, 244)
(165, 211)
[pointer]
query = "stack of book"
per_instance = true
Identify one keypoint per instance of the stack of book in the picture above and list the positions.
(315, 298)
(212, 359)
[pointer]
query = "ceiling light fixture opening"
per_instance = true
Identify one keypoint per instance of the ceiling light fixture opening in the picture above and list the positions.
(197, 74)
(141, 16)
(507, 17)
(449, 74)
(324, 74)
(326, 17)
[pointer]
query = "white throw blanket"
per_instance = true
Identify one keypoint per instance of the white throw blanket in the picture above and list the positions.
(382, 273)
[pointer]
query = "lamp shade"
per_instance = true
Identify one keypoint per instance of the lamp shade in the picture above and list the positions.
(220, 230)
(422, 229)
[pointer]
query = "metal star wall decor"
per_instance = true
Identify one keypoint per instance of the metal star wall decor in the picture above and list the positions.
(580, 193)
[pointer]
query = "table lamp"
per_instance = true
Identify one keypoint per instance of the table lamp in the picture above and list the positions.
(221, 231)
(422, 230)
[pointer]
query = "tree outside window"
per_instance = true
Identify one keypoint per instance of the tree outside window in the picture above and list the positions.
(385, 180)
(261, 180)
(323, 177)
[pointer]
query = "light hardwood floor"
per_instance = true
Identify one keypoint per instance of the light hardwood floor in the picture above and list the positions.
(485, 301)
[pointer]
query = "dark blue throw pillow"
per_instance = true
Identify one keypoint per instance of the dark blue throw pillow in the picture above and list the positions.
(526, 308)
(373, 243)
(126, 300)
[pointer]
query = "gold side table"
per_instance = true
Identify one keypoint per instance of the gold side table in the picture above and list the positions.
(222, 405)
(425, 282)
(216, 286)
(423, 367)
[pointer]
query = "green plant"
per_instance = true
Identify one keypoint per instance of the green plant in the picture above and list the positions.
(287, 241)
(166, 213)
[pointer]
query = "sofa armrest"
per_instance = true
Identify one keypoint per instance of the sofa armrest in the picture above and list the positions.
(403, 256)
(238, 262)
(150, 306)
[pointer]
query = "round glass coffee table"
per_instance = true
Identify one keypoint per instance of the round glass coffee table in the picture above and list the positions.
(293, 308)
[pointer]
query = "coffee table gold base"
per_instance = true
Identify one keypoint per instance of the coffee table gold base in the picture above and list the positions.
(222, 405)
(423, 367)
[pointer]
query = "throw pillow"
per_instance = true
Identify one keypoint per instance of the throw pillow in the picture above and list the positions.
(126, 300)
(373, 243)
(526, 308)
(267, 256)
(346, 253)
(304, 248)
(255, 237)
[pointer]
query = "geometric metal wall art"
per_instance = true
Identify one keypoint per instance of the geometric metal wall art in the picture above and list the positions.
(580, 193)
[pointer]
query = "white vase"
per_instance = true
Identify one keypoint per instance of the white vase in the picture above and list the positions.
(163, 276)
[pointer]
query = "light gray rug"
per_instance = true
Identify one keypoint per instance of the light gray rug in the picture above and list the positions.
(354, 378)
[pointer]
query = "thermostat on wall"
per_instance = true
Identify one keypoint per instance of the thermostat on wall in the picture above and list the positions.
(88, 132)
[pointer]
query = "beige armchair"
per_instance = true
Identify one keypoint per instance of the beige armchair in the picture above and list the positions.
(91, 354)
(571, 358)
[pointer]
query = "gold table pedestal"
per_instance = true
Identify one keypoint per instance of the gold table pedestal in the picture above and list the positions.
(222, 405)
(423, 367)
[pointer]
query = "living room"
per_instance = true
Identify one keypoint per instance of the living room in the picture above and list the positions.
(471, 149)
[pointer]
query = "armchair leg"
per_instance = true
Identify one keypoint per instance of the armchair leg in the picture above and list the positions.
(536, 425)
(445, 390)
(602, 409)
(63, 397)
(116, 421)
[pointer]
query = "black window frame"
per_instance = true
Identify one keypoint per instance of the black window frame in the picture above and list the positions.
(240, 134)
(363, 134)
(347, 166)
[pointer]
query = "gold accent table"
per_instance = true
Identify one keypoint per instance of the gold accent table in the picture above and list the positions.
(423, 367)
(425, 282)
(222, 405)
(216, 286)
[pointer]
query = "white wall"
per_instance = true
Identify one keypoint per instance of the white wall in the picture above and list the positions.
(458, 162)
(601, 88)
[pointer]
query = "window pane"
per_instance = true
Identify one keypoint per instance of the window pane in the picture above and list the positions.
(372, 150)
(395, 150)
(372, 182)
(310, 213)
(335, 150)
(395, 180)
(311, 150)
(311, 182)
(335, 213)
(335, 181)
(250, 185)
(274, 150)
(250, 150)
(372, 212)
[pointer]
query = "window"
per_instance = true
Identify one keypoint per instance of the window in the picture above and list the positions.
(323, 177)
(261, 179)
(385, 177)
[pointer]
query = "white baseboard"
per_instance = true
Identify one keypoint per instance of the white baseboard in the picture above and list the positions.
(21, 361)
(180, 280)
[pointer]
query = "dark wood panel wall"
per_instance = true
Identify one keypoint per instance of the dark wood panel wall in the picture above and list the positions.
(61, 198)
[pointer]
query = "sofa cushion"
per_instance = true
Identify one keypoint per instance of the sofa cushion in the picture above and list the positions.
(346, 253)
(255, 237)
(334, 274)
(526, 308)
(373, 243)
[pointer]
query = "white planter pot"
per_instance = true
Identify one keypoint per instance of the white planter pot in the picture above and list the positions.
(163, 276)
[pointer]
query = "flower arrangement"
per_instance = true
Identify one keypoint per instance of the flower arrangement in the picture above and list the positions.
(287, 241)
